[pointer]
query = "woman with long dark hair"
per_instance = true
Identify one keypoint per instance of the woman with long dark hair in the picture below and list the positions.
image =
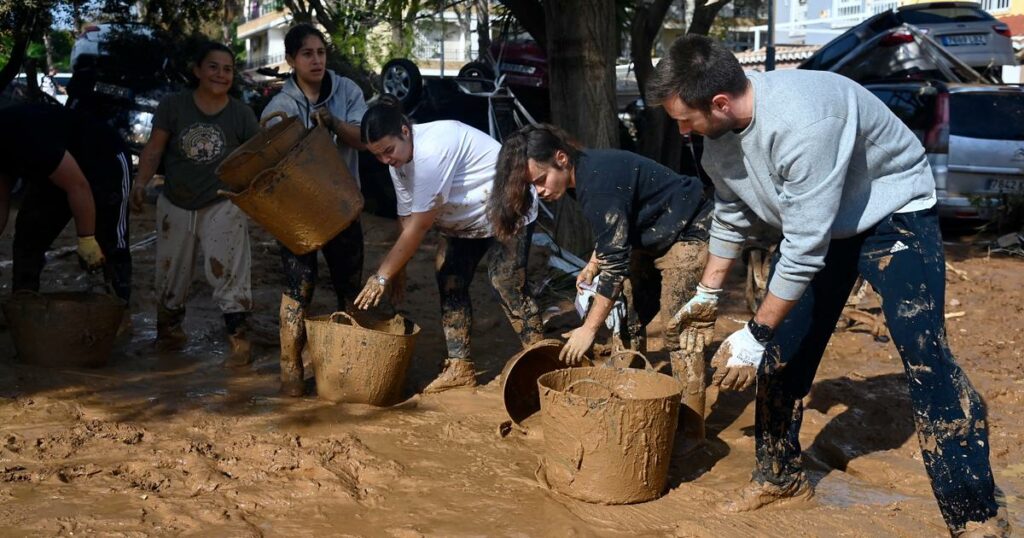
(443, 173)
(650, 225)
(316, 94)
(193, 131)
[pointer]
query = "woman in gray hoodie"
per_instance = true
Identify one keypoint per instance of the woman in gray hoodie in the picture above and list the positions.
(316, 94)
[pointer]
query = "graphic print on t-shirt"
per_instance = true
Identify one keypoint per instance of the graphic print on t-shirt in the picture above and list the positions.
(202, 142)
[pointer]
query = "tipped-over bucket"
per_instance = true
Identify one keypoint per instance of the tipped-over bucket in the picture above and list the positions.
(608, 433)
(66, 329)
(519, 377)
(360, 360)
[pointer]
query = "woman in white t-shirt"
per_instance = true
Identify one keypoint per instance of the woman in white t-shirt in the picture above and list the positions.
(443, 173)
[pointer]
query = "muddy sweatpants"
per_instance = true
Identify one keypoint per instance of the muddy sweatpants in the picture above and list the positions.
(902, 258)
(221, 230)
(456, 262)
(45, 212)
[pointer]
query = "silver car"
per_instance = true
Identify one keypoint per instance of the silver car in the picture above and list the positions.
(963, 28)
(973, 135)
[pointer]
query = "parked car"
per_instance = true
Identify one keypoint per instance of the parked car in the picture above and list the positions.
(60, 79)
(120, 72)
(973, 136)
(963, 28)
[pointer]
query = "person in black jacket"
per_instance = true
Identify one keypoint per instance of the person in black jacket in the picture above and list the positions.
(650, 224)
(74, 167)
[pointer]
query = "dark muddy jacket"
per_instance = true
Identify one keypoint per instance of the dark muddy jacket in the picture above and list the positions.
(632, 202)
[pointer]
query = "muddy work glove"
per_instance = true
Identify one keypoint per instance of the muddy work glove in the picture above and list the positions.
(90, 255)
(374, 289)
(737, 360)
(322, 116)
(695, 321)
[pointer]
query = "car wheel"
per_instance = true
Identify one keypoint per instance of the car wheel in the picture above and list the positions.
(477, 70)
(401, 78)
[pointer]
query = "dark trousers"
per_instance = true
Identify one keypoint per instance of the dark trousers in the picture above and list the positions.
(456, 262)
(902, 258)
(344, 256)
(45, 212)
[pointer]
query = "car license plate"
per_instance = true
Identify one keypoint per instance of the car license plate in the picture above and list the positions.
(1007, 185)
(964, 40)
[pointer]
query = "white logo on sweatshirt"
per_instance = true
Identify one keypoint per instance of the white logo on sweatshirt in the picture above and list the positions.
(898, 247)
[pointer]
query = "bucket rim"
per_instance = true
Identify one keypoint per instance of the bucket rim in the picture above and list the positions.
(328, 319)
(547, 376)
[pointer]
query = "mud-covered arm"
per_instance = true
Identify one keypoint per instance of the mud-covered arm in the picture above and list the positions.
(70, 178)
(413, 229)
(609, 217)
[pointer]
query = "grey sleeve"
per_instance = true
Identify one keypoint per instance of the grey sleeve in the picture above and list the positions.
(813, 163)
(731, 223)
(355, 103)
(280, 103)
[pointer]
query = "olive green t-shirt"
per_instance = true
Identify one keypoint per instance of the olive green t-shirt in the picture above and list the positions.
(197, 144)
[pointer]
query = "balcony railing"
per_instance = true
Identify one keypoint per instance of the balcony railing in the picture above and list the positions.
(257, 8)
(452, 51)
(264, 59)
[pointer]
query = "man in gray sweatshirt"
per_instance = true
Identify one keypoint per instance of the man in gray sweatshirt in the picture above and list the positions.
(821, 160)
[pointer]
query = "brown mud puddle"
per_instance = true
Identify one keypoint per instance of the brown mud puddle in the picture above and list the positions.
(171, 443)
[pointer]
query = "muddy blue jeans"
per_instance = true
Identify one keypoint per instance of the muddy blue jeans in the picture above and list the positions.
(456, 262)
(903, 260)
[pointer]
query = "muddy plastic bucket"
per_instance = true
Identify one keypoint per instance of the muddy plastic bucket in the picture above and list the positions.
(262, 151)
(66, 329)
(519, 390)
(307, 199)
(360, 360)
(608, 433)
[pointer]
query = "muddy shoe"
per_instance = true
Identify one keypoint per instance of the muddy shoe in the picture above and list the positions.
(457, 373)
(241, 351)
(756, 495)
(170, 338)
(996, 527)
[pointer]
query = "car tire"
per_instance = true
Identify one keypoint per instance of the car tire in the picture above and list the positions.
(477, 70)
(401, 78)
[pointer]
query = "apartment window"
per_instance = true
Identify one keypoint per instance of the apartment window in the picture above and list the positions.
(995, 5)
(847, 8)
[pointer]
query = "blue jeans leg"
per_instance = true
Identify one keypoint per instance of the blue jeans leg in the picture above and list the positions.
(904, 261)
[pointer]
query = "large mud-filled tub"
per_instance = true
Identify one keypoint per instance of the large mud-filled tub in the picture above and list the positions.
(360, 360)
(608, 433)
(66, 329)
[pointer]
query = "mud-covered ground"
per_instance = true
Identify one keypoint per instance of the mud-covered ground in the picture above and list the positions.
(171, 443)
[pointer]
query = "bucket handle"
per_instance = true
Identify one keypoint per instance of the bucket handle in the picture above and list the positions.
(254, 185)
(278, 114)
(650, 367)
(226, 193)
(592, 382)
(334, 317)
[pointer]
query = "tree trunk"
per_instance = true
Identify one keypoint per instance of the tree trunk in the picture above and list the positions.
(658, 137)
(483, 27)
(17, 56)
(581, 81)
(581, 69)
(532, 16)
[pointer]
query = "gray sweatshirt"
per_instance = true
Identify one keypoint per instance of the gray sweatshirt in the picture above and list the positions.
(822, 159)
(340, 95)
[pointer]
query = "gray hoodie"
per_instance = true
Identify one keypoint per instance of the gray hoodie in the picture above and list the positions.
(343, 97)
(822, 159)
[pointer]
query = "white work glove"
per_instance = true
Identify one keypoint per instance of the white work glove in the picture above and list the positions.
(737, 360)
(696, 320)
(585, 292)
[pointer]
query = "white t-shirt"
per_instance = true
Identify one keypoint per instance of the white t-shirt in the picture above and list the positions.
(452, 168)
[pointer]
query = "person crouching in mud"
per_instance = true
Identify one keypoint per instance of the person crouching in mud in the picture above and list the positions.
(650, 224)
(443, 173)
(849, 186)
(193, 131)
(316, 94)
(75, 168)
